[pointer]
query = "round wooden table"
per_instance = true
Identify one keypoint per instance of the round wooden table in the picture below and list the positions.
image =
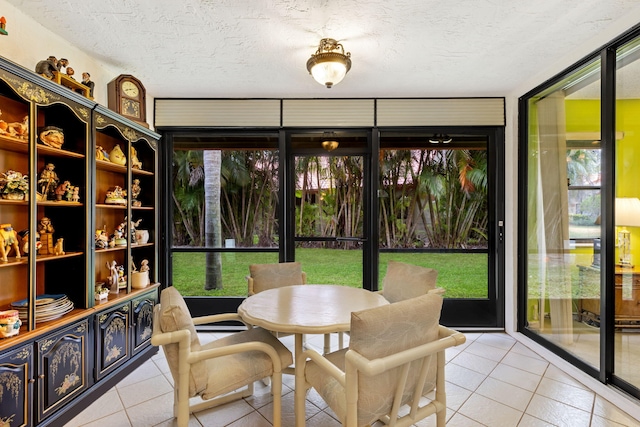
(307, 309)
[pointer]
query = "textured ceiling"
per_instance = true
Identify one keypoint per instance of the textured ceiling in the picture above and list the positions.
(259, 48)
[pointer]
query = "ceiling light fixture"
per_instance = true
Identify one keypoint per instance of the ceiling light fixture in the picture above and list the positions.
(329, 142)
(440, 138)
(327, 66)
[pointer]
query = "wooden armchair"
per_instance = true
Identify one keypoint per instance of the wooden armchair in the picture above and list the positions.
(395, 357)
(268, 276)
(403, 281)
(218, 372)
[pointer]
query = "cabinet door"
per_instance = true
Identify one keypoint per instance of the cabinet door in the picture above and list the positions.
(62, 367)
(142, 321)
(16, 386)
(112, 339)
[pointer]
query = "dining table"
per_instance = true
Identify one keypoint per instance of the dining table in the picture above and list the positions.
(307, 309)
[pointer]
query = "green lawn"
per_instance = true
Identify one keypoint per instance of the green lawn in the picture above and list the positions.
(462, 275)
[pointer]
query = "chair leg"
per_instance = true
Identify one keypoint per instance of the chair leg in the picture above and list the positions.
(276, 391)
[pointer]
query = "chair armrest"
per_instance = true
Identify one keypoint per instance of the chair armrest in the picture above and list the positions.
(324, 364)
(215, 318)
(250, 290)
(211, 353)
(449, 338)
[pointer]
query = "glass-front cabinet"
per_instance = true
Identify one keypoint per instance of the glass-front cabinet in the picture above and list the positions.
(78, 238)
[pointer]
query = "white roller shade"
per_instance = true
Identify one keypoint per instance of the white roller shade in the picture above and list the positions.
(217, 112)
(328, 112)
(441, 112)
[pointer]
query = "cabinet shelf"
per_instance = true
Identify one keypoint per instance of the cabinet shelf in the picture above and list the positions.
(114, 249)
(13, 144)
(106, 206)
(45, 258)
(58, 152)
(13, 261)
(141, 172)
(108, 166)
(14, 202)
(61, 203)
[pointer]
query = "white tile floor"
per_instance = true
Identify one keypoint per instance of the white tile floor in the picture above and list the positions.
(492, 380)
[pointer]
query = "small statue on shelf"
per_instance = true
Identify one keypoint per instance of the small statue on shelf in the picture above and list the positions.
(101, 154)
(8, 239)
(101, 239)
(58, 249)
(135, 192)
(48, 182)
(18, 130)
(45, 226)
(86, 80)
(61, 190)
(135, 163)
(133, 225)
(117, 156)
(112, 280)
(116, 196)
(75, 196)
(47, 67)
(52, 136)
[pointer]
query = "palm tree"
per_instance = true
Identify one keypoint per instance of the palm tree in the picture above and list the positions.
(213, 230)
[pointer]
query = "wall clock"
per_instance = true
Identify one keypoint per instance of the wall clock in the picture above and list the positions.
(127, 97)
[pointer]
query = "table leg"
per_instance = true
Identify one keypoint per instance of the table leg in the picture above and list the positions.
(300, 389)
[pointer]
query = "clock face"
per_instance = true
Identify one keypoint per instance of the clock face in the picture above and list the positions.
(130, 89)
(130, 108)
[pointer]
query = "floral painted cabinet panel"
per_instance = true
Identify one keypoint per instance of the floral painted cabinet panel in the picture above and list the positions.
(142, 321)
(62, 367)
(112, 340)
(16, 386)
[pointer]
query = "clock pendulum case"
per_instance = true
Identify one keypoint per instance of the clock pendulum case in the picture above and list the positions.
(127, 97)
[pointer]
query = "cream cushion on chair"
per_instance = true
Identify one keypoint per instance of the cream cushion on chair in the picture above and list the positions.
(403, 281)
(268, 276)
(175, 316)
(213, 377)
(376, 333)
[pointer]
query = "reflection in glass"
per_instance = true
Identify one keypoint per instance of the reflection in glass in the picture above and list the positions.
(627, 161)
(563, 207)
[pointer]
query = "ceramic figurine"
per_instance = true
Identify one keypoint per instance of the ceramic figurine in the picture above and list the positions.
(75, 196)
(116, 196)
(8, 240)
(112, 280)
(48, 182)
(52, 136)
(135, 192)
(61, 190)
(9, 323)
(117, 156)
(135, 163)
(24, 235)
(45, 226)
(57, 249)
(101, 239)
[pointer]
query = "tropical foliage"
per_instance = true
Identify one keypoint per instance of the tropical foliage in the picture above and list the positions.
(428, 198)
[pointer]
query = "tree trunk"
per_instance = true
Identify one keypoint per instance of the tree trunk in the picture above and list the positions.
(213, 229)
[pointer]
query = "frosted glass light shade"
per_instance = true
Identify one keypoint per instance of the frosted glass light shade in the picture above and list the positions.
(329, 73)
(328, 66)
